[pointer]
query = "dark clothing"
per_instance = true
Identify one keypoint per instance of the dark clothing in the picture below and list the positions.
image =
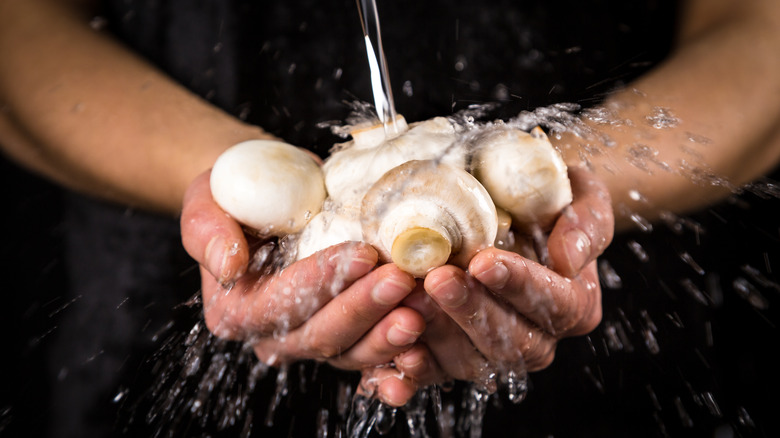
(287, 66)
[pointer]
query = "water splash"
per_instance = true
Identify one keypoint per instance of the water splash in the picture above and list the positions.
(212, 363)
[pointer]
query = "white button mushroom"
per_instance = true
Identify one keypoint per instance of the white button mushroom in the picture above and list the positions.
(524, 174)
(423, 214)
(330, 227)
(273, 187)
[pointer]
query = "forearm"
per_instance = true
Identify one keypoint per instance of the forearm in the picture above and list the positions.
(83, 110)
(722, 85)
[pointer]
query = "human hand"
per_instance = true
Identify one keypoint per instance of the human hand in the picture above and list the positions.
(508, 312)
(334, 306)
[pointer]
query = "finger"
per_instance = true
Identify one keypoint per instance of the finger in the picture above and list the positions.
(388, 385)
(453, 354)
(495, 329)
(363, 312)
(350, 315)
(210, 235)
(559, 305)
(392, 335)
(418, 364)
(281, 302)
(585, 228)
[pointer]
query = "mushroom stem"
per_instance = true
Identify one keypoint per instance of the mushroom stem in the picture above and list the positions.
(423, 214)
(417, 250)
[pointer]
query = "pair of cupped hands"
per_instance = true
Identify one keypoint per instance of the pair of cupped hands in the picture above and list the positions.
(342, 307)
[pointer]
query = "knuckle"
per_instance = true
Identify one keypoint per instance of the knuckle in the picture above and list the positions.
(327, 352)
(589, 323)
(585, 319)
(543, 361)
(320, 347)
(361, 315)
(499, 348)
(271, 354)
(219, 326)
(539, 353)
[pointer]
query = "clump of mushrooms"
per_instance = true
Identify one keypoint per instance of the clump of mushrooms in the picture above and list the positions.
(427, 196)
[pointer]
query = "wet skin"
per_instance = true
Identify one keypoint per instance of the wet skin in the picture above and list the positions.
(338, 306)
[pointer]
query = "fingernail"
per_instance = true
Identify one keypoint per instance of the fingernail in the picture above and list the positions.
(412, 361)
(577, 248)
(359, 266)
(389, 291)
(400, 337)
(494, 277)
(388, 398)
(216, 256)
(451, 293)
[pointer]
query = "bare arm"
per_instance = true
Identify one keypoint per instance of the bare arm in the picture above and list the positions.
(722, 82)
(84, 111)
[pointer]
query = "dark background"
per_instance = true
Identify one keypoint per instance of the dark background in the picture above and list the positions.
(89, 286)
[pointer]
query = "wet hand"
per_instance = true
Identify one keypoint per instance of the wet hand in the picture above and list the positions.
(508, 312)
(334, 306)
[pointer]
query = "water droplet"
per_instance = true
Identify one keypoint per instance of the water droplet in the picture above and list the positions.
(696, 138)
(650, 341)
(759, 278)
(636, 196)
(611, 335)
(98, 23)
(694, 291)
(501, 93)
(688, 259)
(120, 395)
(638, 251)
(322, 423)
(709, 400)
(653, 397)
(640, 221)
(662, 118)
(597, 381)
(685, 418)
(407, 89)
(748, 292)
(460, 63)
(516, 385)
(385, 418)
(279, 393)
(608, 275)
(744, 418)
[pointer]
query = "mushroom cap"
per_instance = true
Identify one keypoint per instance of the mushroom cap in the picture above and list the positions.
(430, 195)
(273, 187)
(524, 174)
(329, 227)
(351, 171)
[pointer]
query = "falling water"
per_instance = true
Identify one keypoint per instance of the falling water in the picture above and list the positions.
(380, 76)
